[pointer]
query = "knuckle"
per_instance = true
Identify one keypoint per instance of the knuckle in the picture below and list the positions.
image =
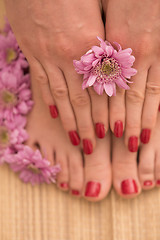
(153, 88)
(42, 79)
(84, 128)
(80, 100)
(134, 96)
(133, 125)
(66, 122)
(59, 92)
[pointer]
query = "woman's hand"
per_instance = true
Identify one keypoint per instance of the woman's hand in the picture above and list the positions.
(136, 24)
(52, 34)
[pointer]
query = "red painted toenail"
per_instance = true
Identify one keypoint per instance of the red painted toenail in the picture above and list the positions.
(145, 135)
(158, 182)
(100, 130)
(75, 192)
(92, 189)
(64, 185)
(133, 144)
(148, 183)
(118, 129)
(74, 137)
(53, 111)
(87, 146)
(129, 186)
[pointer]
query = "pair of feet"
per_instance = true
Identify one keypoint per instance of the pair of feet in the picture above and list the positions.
(91, 176)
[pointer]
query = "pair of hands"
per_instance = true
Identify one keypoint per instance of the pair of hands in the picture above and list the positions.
(52, 34)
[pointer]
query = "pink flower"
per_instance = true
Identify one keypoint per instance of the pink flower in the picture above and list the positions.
(32, 167)
(12, 133)
(10, 53)
(15, 93)
(7, 27)
(105, 67)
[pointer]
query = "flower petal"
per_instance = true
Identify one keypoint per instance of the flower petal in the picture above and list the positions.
(108, 89)
(128, 72)
(121, 83)
(91, 80)
(98, 51)
(98, 87)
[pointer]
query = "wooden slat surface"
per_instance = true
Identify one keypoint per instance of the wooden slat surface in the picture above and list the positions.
(45, 213)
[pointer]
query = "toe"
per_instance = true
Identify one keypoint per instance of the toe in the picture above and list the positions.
(124, 168)
(97, 171)
(76, 173)
(146, 167)
(63, 176)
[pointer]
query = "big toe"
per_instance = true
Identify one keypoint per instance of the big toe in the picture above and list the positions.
(124, 167)
(97, 171)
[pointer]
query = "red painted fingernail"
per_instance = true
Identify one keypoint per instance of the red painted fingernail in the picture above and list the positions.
(129, 186)
(64, 185)
(158, 182)
(118, 129)
(100, 130)
(74, 137)
(87, 146)
(133, 144)
(145, 135)
(53, 111)
(92, 189)
(148, 183)
(75, 192)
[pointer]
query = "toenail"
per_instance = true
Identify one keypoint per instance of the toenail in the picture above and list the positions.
(92, 189)
(64, 185)
(133, 144)
(158, 182)
(53, 111)
(129, 186)
(87, 146)
(100, 130)
(74, 137)
(148, 183)
(75, 192)
(118, 129)
(145, 135)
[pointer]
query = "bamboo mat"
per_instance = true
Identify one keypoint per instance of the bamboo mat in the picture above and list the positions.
(45, 213)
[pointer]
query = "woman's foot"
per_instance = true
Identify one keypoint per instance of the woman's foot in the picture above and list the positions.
(129, 177)
(88, 175)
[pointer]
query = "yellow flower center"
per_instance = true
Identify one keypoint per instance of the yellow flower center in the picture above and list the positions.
(11, 55)
(4, 136)
(107, 68)
(33, 169)
(8, 98)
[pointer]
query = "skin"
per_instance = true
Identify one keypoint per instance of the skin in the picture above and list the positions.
(136, 24)
(51, 44)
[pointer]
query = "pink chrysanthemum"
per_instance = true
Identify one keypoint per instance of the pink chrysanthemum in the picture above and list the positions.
(10, 53)
(12, 133)
(15, 94)
(32, 167)
(104, 67)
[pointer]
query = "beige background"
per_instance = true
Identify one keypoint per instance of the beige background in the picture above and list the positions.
(45, 213)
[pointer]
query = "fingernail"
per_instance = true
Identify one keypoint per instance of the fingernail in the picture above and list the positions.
(133, 144)
(74, 137)
(147, 183)
(145, 135)
(100, 130)
(158, 182)
(53, 111)
(75, 192)
(118, 129)
(87, 146)
(64, 185)
(92, 189)
(129, 186)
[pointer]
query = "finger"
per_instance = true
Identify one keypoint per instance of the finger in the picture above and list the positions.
(99, 112)
(60, 93)
(82, 107)
(151, 103)
(117, 112)
(41, 77)
(134, 105)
